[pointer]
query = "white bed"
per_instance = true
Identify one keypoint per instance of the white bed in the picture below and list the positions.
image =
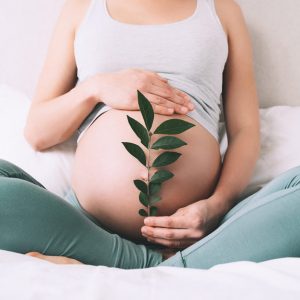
(277, 64)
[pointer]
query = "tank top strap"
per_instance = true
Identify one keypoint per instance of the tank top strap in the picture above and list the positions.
(205, 8)
(96, 9)
(211, 4)
(212, 8)
(92, 19)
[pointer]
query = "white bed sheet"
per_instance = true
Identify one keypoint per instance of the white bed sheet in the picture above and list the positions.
(24, 277)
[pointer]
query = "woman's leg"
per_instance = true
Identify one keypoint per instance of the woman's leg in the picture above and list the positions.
(264, 226)
(34, 219)
(261, 227)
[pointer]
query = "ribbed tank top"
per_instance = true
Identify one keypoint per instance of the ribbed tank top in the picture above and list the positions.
(190, 53)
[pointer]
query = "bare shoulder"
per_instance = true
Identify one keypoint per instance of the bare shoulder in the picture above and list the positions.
(230, 14)
(58, 74)
(73, 11)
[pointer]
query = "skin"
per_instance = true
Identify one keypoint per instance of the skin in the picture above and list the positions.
(192, 222)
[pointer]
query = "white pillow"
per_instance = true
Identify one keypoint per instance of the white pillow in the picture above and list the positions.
(52, 168)
(280, 145)
(280, 149)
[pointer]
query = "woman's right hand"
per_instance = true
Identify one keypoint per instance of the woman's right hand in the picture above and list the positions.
(119, 91)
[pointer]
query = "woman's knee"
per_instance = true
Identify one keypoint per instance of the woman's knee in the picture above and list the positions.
(5, 168)
(8, 169)
(13, 189)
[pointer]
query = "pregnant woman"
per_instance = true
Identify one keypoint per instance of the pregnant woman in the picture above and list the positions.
(177, 53)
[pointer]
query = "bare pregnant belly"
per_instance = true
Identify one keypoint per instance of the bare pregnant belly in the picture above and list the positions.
(104, 171)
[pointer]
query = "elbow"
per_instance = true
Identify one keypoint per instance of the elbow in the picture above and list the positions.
(33, 139)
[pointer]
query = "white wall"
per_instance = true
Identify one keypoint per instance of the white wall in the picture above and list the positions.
(25, 30)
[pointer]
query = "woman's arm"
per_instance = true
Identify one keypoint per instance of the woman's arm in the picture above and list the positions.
(241, 110)
(58, 108)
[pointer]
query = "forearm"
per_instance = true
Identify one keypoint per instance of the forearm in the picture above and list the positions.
(54, 121)
(238, 166)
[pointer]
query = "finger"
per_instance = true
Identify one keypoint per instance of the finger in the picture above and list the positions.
(163, 102)
(166, 91)
(172, 95)
(154, 98)
(155, 75)
(157, 99)
(177, 244)
(188, 100)
(169, 233)
(158, 109)
(169, 98)
(182, 95)
(170, 92)
(162, 82)
(168, 222)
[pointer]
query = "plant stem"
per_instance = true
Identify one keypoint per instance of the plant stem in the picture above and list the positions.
(148, 167)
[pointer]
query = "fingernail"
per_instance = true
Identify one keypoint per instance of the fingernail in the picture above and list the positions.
(170, 110)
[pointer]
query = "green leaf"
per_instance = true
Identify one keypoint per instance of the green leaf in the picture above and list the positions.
(139, 130)
(153, 211)
(154, 188)
(173, 126)
(166, 158)
(146, 110)
(136, 151)
(168, 142)
(154, 199)
(143, 213)
(141, 185)
(161, 176)
(143, 199)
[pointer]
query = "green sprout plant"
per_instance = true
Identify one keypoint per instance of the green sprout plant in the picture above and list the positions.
(150, 188)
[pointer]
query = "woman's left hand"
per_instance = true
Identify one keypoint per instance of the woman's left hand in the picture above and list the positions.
(186, 226)
(61, 260)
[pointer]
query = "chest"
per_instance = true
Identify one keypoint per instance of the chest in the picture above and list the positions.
(189, 50)
(149, 11)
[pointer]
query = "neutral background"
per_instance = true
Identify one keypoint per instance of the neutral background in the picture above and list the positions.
(26, 26)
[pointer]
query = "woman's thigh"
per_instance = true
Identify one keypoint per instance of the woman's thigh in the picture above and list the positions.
(264, 226)
(283, 181)
(34, 219)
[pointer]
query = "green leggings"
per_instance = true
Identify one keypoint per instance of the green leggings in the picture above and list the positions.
(265, 225)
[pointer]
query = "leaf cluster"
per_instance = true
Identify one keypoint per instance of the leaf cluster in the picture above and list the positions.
(149, 191)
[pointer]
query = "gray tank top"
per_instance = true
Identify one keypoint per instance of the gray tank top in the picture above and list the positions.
(190, 53)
